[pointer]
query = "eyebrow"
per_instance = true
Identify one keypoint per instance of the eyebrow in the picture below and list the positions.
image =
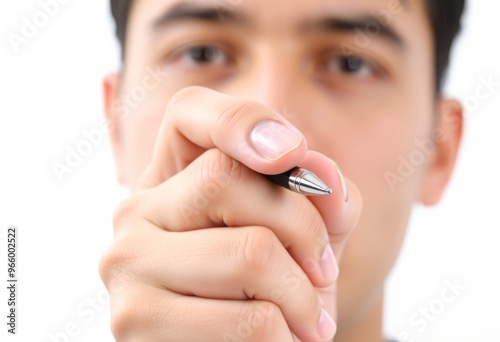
(185, 11)
(354, 25)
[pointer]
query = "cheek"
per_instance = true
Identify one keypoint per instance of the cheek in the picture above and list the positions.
(139, 139)
(374, 143)
(145, 99)
(368, 146)
(140, 130)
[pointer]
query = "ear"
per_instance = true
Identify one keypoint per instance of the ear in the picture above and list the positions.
(447, 136)
(111, 91)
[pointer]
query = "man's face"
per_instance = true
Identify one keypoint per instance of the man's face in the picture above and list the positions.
(355, 76)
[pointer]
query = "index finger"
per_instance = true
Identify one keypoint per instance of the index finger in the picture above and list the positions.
(199, 118)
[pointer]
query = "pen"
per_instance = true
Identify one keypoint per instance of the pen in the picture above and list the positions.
(301, 181)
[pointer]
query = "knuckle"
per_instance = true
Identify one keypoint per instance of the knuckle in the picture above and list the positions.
(312, 302)
(151, 177)
(139, 312)
(258, 251)
(228, 121)
(314, 229)
(261, 321)
(272, 322)
(124, 319)
(115, 264)
(182, 96)
(124, 212)
(120, 322)
(217, 178)
(106, 264)
(219, 168)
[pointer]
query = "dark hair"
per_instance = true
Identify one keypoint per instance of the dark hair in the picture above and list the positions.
(444, 17)
(120, 10)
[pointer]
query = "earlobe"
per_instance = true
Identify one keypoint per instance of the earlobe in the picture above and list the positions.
(447, 136)
(110, 91)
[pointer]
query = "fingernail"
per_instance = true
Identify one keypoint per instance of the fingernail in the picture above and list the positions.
(344, 187)
(328, 264)
(326, 326)
(273, 140)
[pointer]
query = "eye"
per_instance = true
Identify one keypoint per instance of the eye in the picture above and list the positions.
(204, 55)
(352, 65)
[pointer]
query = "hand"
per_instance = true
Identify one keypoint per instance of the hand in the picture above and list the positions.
(258, 272)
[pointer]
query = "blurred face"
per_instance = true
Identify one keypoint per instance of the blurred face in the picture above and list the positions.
(355, 76)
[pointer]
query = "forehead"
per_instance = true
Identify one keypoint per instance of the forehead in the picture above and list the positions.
(284, 14)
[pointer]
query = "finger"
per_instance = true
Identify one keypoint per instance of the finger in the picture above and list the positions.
(144, 313)
(216, 191)
(199, 118)
(228, 264)
(339, 211)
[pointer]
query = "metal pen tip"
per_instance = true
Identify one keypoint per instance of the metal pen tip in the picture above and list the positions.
(307, 183)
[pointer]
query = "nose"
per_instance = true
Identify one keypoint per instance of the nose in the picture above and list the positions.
(270, 77)
(281, 79)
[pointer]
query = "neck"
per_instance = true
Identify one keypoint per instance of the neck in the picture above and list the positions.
(369, 329)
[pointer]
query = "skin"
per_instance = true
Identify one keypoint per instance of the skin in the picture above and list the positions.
(184, 270)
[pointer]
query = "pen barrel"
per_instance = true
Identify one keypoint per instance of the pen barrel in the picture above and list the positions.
(282, 179)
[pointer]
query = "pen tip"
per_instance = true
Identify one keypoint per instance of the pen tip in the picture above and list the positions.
(328, 191)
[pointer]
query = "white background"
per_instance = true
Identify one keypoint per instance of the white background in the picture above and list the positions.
(51, 91)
